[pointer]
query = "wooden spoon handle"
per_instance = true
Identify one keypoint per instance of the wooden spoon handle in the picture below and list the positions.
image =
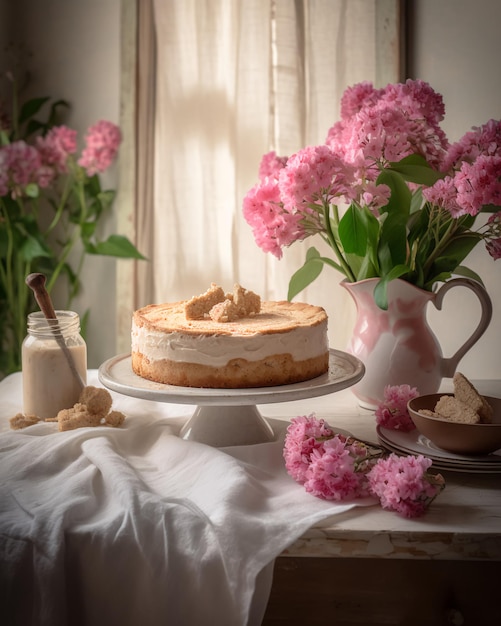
(36, 282)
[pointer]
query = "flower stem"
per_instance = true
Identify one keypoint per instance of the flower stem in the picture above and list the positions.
(331, 239)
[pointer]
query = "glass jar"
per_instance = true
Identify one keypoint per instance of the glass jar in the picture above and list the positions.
(49, 383)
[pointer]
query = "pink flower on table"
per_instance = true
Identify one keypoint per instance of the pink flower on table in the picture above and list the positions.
(403, 484)
(304, 434)
(56, 146)
(337, 467)
(392, 412)
(332, 474)
(102, 143)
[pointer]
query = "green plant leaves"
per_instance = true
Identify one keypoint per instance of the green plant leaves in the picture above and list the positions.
(306, 274)
(415, 169)
(116, 246)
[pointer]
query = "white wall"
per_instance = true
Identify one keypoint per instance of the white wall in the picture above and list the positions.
(455, 47)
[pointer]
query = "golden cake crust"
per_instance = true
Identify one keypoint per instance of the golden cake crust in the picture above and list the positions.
(275, 317)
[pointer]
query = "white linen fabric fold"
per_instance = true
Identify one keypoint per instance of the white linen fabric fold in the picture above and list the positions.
(135, 526)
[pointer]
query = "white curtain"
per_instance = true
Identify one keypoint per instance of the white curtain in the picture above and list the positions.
(232, 80)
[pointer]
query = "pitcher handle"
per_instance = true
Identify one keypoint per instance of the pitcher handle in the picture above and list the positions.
(449, 365)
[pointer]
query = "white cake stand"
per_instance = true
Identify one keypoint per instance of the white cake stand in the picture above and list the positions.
(227, 417)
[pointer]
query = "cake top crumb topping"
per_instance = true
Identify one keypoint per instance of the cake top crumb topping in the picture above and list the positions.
(221, 307)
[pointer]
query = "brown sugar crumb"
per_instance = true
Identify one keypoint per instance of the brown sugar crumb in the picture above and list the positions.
(20, 421)
(241, 303)
(226, 311)
(77, 417)
(221, 307)
(93, 409)
(114, 418)
(247, 302)
(96, 399)
(199, 306)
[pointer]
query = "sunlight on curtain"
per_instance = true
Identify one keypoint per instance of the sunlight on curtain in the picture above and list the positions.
(234, 79)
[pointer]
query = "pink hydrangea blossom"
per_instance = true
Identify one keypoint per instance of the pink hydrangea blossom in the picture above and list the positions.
(354, 98)
(485, 139)
(479, 183)
(313, 174)
(272, 226)
(390, 124)
(304, 434)
(331, 473)
(270, 165)
(57, 145)
(392, 412)
(102, 142)
(404, 485)
(21, 166)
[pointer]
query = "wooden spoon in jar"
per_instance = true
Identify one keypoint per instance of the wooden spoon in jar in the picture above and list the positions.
(36, 282)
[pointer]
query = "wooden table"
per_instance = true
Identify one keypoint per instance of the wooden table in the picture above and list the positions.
(372, 567)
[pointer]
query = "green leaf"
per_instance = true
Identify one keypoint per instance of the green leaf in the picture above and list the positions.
(306, 274)
(31, 108)
(393, 242)
(400, 199)
(87, 230)
(32, 248)
(116, 246)
(381, 289)
(461, 270)
(415, 169)
(54, 111)
(352, 231)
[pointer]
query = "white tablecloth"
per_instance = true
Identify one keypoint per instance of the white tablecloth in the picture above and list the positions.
(135, 526)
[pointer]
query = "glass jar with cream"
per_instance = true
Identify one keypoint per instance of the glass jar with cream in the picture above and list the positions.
(54, 363)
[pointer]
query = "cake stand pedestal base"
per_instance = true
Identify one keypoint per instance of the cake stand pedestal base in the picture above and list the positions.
(222, 426)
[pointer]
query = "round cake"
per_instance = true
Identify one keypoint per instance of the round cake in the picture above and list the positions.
(286, 342)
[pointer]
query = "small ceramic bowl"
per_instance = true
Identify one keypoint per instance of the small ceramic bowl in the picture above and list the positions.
(453, 436)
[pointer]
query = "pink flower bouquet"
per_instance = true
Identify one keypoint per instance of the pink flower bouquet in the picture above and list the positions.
(386, 191)
(332, 466)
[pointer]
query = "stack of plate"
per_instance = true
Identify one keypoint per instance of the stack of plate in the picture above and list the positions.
(414, 442)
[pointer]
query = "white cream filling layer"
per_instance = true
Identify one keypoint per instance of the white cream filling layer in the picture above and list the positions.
(217, 350)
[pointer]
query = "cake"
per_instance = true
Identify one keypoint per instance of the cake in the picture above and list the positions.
(220, 340)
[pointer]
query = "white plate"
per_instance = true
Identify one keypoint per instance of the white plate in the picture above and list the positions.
(344, 371)
(414, 442)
